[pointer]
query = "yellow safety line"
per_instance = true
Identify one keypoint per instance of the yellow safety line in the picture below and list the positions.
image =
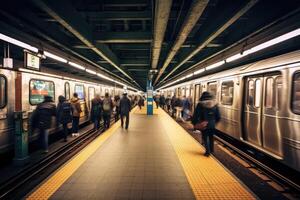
(48, 188)
(207, 177)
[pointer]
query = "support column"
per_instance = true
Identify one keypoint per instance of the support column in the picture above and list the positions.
(149, 98)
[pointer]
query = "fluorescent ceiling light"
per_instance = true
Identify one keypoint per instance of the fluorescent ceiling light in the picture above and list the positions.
(235, 57)
(215, 65)
(104, 77)
(91, 71)
(76, 65)
(18, 43)
(274, 41)
(199, 71)
(190, 75)
(55, 57)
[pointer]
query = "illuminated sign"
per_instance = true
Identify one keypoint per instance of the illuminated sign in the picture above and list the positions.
(32, 61)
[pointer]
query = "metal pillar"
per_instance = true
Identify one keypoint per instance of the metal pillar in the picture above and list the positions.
(149, 98)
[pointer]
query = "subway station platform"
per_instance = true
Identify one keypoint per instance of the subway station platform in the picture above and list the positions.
(154, 159)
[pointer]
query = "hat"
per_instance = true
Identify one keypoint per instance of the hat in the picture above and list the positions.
(206, 96)
(124, 93)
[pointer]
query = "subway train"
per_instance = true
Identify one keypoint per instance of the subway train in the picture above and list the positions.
(259, 104)
(34, 86)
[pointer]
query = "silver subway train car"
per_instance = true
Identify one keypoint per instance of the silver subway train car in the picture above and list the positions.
(34, 86)
(259, 104)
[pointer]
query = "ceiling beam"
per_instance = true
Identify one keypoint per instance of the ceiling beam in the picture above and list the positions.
(135, 62)
(69, 18)
(162, 11)
(212, 36)
(117, 15)
(194, 13)
(123, 37)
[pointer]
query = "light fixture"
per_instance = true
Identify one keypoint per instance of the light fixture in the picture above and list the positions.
(199, 71)
(76, 65)
(104, 77)
(18, 43)
(55, 57)
(215, 65)
(190, 75)
(235, 57)
(91, 71)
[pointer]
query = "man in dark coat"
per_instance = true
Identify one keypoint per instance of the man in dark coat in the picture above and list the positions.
(96, 111)
(207, 110)
(45, 111)
(125, 108)
(64, 114)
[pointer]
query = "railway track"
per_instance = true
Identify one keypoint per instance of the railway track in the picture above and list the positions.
(10, 189)
(271, 169)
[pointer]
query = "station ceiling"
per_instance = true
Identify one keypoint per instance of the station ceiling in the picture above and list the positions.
(128, 38)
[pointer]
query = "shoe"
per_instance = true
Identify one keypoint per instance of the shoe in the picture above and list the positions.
(45, 151)
(206, 154)
(65, 140)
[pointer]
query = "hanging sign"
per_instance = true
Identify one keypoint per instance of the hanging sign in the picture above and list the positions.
(32, 61)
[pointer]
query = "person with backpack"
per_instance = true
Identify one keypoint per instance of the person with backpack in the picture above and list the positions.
(141, 102)
(76, 110)
(125, 107)
(44, 113)
(64, 115)
(205, 117)
(96, 110)
(107, 110)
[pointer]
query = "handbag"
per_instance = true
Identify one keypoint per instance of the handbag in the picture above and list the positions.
(201, 125)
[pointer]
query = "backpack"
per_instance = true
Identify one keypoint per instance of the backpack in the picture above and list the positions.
(106, 104)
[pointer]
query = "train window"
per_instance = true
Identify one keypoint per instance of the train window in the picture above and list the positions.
(296, 94)
(3, 91)
(79, 89)
(38, 89)
(269, 101)
(67, 90)
(250, 92)
(257, 98)
(278, 90)
(212, 88)
(227, 93)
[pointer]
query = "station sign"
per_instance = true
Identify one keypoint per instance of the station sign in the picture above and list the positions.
(32, 61)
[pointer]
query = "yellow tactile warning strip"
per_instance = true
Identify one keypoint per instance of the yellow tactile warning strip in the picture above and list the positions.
(207, 177)
(143, 111)
(49, 187)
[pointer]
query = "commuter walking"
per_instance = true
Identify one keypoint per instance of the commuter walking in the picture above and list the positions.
(178, 108)
(141, 102)
(45, 111)
(125, 108)
(186, 108)
(156, 99)
(64, 115)
(162, 101)
(168, 103)
(205, 117)
(173, 101)
(117, 107)
(76, 110)
(107, 110)
(96, 111)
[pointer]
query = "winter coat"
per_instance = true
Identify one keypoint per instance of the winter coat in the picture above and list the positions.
(162, 100)
(45, 111)
(141, 102)
(178, 102)
(64, 112)
(125, 106)
(76, 108)
(207, 110)
(107, 102)
(96, 109)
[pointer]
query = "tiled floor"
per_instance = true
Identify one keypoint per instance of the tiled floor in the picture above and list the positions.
(136, 164)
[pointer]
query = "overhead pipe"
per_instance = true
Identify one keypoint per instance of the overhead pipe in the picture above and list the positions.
(192, 18)
(162, 12)
(214, 35)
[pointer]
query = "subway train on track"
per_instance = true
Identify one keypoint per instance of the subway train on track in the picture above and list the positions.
(259, 104)
(34, 86)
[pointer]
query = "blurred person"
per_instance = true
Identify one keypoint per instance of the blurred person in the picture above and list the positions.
(117, 107)
(107, 110)
(178, 108)
(64, 115)
(162, 101)
(141, 102)
(125, 107)
(205, 117)
(44, 112)
(96, 111)
(76, 110)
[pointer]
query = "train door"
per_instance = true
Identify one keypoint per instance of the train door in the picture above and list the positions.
(198, 90)
(270, 124)
(253, 110)
(91, 96)
(261, 126)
